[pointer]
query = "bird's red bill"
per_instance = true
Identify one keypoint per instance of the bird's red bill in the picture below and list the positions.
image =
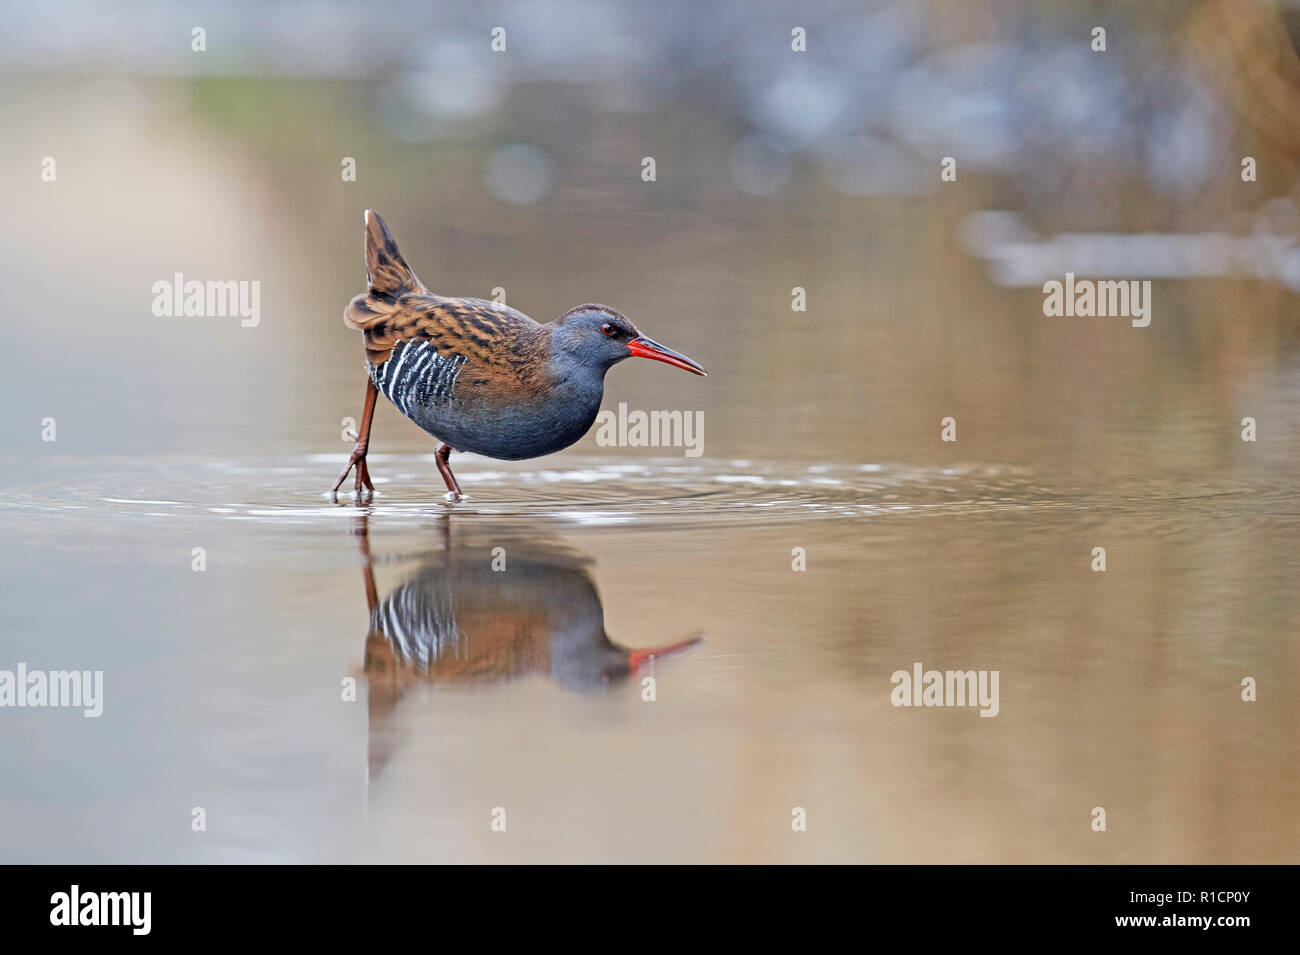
(649, 348)
(638, 658)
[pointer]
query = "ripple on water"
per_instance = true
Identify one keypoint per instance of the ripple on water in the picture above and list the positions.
(598, 492)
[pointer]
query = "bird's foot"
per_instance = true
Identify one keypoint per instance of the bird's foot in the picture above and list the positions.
(362, 485)
(453, 497)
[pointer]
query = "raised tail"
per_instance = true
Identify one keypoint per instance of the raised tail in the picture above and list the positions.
(387, 273)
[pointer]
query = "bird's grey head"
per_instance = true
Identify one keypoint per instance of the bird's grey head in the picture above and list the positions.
(597, 336)
(594, 336)
(594, 664)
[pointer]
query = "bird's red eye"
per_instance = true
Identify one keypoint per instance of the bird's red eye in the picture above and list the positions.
(607, 329)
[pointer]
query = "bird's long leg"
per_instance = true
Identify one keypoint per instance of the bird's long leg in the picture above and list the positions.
(358, 458)
(362, 533)
(444, 468)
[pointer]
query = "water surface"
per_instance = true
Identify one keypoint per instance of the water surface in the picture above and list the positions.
(522, 688)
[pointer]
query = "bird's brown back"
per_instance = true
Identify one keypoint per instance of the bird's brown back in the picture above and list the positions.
(503, 347)
(482, 332)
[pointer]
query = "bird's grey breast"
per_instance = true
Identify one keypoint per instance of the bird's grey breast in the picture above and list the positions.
(423, 385)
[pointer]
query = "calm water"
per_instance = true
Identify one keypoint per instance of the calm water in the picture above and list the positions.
(480, 689)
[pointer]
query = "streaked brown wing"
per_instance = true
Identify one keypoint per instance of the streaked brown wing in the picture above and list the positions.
(479, 331)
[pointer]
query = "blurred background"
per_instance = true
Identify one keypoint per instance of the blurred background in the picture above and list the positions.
(522, 170)
(775, 169)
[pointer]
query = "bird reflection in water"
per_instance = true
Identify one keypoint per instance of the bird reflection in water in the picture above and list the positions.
(456, 620)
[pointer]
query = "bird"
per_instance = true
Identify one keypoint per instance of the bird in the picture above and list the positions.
(457, 620)
(477, 375)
